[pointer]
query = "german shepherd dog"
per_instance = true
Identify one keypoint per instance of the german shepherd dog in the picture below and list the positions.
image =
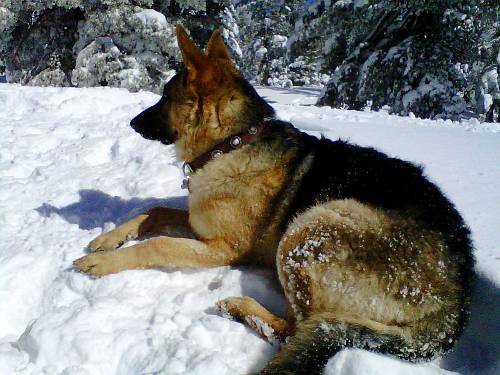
(369, 253)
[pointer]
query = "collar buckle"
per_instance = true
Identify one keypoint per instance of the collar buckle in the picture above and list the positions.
(187, 170)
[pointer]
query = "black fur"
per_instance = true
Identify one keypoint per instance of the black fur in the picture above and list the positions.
(152, 122)
(309, 350)
(341, 170)
(149, 125)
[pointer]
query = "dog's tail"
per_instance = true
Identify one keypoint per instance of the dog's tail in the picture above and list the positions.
(321, 336)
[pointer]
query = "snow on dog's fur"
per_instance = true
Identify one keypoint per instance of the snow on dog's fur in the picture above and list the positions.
(369, 253)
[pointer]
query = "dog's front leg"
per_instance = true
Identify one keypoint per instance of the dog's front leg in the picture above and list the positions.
(159, 252)
(153, 220)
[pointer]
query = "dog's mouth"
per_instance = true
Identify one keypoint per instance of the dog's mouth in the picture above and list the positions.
(152, 132)
(149, 125)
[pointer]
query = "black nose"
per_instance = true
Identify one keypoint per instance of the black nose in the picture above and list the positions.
(143, 124)
(134, 123)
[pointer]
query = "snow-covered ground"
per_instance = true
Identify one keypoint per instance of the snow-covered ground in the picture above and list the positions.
(70, 167)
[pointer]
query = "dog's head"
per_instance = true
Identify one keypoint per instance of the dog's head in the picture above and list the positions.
(203, 104)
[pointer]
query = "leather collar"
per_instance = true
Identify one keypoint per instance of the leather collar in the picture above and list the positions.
(229, 144)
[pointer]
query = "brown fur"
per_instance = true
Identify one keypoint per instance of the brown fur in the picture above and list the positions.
(249, 311)
(350, 271)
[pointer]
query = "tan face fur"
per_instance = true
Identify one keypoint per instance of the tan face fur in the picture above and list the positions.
(206, 103)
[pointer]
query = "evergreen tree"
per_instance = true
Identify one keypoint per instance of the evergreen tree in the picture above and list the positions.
(265, 26)
(120, 43)
(433, 58)
(483, 75)
(201, 18)
(37, 41)
(125, 46)
(231, 33)
(408, 55)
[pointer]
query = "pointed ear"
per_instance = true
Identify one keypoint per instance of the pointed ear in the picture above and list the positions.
(192, 56)
(216, 49)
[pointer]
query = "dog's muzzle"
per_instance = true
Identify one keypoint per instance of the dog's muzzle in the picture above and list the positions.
(149, 124)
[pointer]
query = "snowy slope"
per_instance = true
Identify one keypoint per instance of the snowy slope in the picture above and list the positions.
(70, 167)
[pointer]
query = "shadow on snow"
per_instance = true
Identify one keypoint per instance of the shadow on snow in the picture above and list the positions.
(96, 208)
(478, 349)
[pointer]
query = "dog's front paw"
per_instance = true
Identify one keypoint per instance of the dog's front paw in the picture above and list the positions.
(106, 242)
(97, 264)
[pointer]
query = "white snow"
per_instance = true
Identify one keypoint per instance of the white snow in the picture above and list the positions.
(71, 167)
(151, 18)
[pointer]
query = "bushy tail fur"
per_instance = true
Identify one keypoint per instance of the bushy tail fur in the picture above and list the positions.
(320, 337)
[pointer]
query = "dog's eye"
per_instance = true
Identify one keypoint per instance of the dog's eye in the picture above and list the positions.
(232, 98)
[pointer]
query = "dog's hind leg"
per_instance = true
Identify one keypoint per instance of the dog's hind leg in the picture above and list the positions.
(249, 311)
(321, 336)
(364, 277)
(151, 221)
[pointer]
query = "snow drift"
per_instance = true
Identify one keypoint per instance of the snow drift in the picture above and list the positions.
(71, 167)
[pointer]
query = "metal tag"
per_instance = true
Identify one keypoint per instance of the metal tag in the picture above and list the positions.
(185, 183)
(186, 169)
